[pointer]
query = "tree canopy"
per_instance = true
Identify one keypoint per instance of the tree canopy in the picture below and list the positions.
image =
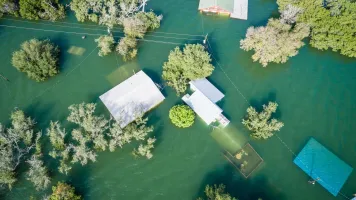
(217, 192)
(182, 116)
(261, 124)
(42, 9)
(190, 64)
(9, 7)
(63, 191)
(332, 22)
(126, 13)
(39, 59)
(105, 44)
(93, 133)
(276, 42)
(16, 143)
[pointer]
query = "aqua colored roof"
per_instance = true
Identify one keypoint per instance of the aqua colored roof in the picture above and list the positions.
(323, 166)
(224, 4)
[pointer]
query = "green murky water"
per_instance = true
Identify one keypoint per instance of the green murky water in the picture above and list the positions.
(315, 91)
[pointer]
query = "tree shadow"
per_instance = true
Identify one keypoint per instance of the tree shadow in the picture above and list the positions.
(271, 97)
(79, 178)
(240, 187)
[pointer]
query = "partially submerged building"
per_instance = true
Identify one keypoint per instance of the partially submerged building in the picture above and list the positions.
(234, 8)
(203, 101)
(132, 98)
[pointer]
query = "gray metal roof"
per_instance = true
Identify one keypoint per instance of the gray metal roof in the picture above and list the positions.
(224, 4)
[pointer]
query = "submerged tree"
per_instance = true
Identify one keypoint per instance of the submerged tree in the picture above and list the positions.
(42, 9)
(38, 173)
(276, 42)
(217, 192)
(9, 7)
(182, 116)
(125, 13)
(145, 150)
(16, 143)
(261, 124)
(127, 48)
(38, 59)
(105, 44)
(190, 64)
(63, 191)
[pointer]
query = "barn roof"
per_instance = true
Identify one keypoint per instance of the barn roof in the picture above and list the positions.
(132, 98)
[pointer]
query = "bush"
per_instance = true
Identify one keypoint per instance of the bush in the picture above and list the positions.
(182, 116)
(38, 59)
(64, 191)
(105, 44)
(261, 124)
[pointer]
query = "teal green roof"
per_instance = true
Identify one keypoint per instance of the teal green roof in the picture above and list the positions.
(323, 166)
(224, 4)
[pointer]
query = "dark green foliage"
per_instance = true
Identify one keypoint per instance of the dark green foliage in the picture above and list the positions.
(9, 7)
(182, 116)
(41, 9)
(190, 64)
(217, 192)
(63, 191)
(38, 59)
(332, 25)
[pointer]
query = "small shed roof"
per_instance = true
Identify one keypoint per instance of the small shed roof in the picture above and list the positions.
(323, 166)
(132, 98)
(224, 4)
(208, 89)
(206, 109)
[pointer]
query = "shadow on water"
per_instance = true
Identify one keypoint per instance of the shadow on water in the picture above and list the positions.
(63, 45)
(79, 178)
(239, 187)
(271, 97)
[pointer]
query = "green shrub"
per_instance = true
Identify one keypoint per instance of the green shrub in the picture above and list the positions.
(64, 191)
(182, 116)
(38, 59)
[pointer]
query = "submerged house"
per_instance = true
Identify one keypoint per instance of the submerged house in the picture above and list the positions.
(203, 101)
(132, 98)
(234, 8)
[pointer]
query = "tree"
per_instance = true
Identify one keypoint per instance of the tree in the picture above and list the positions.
(119, 12)
(137, 130)
(9, 7)
(182, 116)
(261, 124)
(290, 13)
(217, 192)
(190, 64)
(38, 59)
(93, 126)
(63, 191)
(61, 149)
(15, 143)
(332, 23)
(42, 9)
(276, 42)
(145, 150)
(106, 44)
(127, 48)
(38, 173)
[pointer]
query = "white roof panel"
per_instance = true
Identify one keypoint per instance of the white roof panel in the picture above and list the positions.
(132, 98)
(208, 89)
(201, 105)
(240, 9)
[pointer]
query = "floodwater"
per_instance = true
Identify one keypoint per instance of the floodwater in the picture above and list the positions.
(315, 91)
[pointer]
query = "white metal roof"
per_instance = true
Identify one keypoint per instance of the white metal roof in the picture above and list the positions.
(201, 105)
(208, 89)
(132, 98)
(240, 9)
